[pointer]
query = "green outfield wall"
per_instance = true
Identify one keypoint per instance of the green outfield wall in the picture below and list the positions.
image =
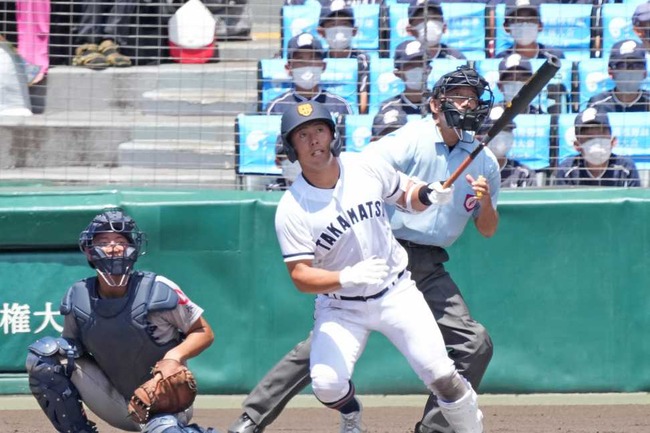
(563, 287)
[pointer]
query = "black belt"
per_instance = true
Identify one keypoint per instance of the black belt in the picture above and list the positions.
(365, 298)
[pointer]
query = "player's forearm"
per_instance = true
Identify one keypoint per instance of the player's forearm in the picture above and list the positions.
(199, 337)
(488, 220)
(314, 280)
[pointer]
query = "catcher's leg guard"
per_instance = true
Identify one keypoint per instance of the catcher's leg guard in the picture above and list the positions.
(49, 382)
(463, 414)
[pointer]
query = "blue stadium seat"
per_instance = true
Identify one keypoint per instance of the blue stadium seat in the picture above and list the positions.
(296, 19)
(340, 77)
(532, 140)
(384, 84)
(566, 27)
(593, 78)
(489, 69)
(631, 129)
(358, 130)
(255, 139)
(465, 27)
(617, 24)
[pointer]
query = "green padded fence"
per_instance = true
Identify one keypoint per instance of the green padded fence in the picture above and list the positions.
(562, 286)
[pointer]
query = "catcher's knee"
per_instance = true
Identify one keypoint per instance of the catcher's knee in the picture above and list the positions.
(327, 385)
(49, 382)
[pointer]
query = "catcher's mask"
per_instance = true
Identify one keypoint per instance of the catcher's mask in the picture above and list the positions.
(466, 120)
(299, 115)
(112, 221)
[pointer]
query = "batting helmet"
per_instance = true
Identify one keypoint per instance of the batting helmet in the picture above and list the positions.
(464, 76)
(300, 114)
(112, 220)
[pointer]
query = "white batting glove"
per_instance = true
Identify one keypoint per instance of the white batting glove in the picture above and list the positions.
(368, 272)
(440, 196)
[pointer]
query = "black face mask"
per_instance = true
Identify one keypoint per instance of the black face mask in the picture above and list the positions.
(470, 120)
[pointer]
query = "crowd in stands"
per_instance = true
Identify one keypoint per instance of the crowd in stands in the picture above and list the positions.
(582, 157)
(377, 60)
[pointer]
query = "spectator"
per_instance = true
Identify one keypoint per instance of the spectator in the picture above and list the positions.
(336, 25)
(104, 26)
(305, 65)
(523, 23)
(412, 68)
(387, 122)
(514, 71)
(514, 174)
(627, 66)
(641, 24)
(596, 165)
(33, 24)
(427, 24)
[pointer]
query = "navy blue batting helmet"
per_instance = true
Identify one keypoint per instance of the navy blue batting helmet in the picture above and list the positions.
(300, 114)
(112, 220)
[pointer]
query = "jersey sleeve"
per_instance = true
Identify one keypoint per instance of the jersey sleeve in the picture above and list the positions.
(167, 323)
(293, 231)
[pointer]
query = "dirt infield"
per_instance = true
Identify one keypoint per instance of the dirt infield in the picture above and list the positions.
(498, 419)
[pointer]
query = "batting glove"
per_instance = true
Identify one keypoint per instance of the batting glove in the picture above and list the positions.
(368, 272)
(438, 195)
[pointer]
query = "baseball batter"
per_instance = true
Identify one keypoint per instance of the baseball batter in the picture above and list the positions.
(118, 324)
(430, 148)
(337, 243)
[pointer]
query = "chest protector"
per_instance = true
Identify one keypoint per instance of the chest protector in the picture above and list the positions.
(116, 332)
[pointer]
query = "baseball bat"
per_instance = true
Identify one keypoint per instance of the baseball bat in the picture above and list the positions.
(522, 99)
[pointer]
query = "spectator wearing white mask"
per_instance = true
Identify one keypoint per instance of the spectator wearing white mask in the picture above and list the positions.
(514, 71)
(427, 24)
(305, 65)
(413, 69)
(596, 165)
(627, 66)
(523, 23)
(336, 26)
(514, 174)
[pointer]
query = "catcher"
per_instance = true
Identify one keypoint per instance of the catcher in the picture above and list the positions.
(126, 337)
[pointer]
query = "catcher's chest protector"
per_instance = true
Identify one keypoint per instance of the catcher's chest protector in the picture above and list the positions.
(115, 331)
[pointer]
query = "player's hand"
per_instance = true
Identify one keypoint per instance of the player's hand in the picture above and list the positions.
(439, 195)
(368, 272)
(480, 186)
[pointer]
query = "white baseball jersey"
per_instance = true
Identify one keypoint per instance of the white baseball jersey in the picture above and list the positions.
(345, 225)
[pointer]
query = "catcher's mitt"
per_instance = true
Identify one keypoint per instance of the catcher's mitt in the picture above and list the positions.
(172, 389)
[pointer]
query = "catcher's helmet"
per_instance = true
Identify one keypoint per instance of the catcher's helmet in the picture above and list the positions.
(300, 114)
(112, 220)
(470, 120)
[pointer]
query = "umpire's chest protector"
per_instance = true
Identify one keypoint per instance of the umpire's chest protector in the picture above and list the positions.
(116, 331)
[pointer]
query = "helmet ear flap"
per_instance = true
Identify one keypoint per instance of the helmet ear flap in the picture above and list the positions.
(288, 149)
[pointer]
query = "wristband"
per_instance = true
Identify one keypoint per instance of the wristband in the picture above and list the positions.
(423, 195)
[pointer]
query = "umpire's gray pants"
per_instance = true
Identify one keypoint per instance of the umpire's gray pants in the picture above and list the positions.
(468, 343)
